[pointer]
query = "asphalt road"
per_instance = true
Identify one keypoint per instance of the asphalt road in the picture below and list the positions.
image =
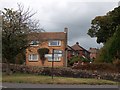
(24, 85)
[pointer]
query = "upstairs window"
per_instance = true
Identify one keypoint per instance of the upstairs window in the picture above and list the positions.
(34, 43)
(54, 43)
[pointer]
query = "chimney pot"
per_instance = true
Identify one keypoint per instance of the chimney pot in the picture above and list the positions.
(77, 43)
(66, 30)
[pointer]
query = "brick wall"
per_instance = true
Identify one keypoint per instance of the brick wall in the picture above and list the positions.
(33, 50)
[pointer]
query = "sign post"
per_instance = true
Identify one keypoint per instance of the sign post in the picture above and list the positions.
(55, 53)
(52, 62)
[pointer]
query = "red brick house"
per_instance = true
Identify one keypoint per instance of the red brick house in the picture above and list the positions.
(49, 40)
(80, 51)
(77, 50)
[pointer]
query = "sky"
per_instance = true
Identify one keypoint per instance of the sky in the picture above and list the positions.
(76, 15)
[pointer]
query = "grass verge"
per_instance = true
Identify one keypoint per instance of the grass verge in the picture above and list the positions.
(29, 78)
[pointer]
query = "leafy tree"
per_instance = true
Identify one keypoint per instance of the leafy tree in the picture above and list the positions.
(103, 27)
(16, 25)
(111, 50)
(107, 30)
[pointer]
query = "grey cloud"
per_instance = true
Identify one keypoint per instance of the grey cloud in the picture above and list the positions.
(78, 20)
(77, 16)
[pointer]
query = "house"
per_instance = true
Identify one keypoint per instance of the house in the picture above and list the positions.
(81, 51)
(53, 41)
(77, 50)
(93, 53)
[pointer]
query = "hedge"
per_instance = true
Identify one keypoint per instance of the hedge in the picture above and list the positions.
(63, 71)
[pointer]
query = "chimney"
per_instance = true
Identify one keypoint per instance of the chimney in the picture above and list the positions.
(66, 30)
(77, 43)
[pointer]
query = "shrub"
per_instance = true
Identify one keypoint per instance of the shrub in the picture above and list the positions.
(73, 60)
(42, 52)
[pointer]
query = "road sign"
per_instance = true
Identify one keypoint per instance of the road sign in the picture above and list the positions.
(57, 51)
(55, 55)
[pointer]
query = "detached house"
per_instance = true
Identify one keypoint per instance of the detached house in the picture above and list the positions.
(77, 50)
(56, 41)
(81, 51)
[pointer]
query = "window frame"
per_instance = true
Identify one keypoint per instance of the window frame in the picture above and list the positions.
(58, 42)
(31, 57)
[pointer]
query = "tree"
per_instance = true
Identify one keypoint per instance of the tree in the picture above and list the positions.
(16, 25)
(103, 27)
(111, 50)
(107, 30)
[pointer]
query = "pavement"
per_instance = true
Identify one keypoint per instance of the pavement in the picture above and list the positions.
(27, 85)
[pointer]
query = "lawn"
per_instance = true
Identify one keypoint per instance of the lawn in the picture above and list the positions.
(29, 78)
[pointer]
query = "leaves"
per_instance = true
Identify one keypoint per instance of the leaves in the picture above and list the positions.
(14, 32)
(42, 52)
(103, 27)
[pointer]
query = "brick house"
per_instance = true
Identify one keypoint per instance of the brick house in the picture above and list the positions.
(80, 51)
(49, 40)
(77, 50)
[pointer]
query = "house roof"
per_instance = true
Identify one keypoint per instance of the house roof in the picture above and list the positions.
(47, 36)
(77, 47)
(70, 48)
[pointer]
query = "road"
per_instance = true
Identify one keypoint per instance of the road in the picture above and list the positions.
(25, 85)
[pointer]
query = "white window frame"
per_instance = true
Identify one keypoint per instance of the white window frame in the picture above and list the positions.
(58, 42)
(31, 57)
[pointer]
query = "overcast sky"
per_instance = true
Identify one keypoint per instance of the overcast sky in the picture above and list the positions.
(54, 15)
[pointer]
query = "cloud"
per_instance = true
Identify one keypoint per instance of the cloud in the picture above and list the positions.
(75, 14)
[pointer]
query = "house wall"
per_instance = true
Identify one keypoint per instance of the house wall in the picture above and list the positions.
(33, 50)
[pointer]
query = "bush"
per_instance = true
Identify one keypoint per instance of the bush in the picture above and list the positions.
(90, 72)
(73, 60)
(99, 67)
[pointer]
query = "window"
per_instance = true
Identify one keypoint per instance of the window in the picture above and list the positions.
(54, 43)
(34, 43)
(33, 57)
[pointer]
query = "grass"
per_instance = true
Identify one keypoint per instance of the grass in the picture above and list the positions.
(29, 78)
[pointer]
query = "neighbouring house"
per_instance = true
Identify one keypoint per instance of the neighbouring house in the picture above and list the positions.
(56, 41)
(93, 53)
(77, 50)
(81, 51)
